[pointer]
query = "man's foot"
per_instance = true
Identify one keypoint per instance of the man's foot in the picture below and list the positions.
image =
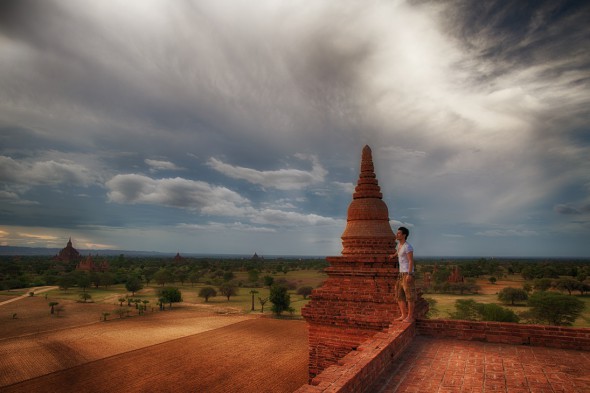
(401, 318)
(408, 320)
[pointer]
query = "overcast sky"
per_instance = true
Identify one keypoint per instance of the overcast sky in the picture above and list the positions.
(237, 127)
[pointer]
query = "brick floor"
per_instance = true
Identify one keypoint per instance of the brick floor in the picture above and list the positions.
(433, 365)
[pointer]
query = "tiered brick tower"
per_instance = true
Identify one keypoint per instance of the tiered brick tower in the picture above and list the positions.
(68, 253)
(358, 298)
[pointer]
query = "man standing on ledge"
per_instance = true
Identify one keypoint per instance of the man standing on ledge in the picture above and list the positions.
(406, 288)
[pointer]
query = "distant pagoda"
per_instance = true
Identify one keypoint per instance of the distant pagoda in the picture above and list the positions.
(88, 265)
(68, 253)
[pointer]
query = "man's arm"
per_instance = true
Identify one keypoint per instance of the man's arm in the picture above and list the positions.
(411, 262)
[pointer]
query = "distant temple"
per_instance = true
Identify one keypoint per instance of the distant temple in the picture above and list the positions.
(88, 265)
(455, 276)
(178, 257)
(68, 253)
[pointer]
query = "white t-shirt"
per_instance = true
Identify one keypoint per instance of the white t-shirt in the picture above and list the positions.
(402, 254)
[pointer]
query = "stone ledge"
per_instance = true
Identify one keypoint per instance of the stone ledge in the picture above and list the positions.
(360, 369)
(508, 333)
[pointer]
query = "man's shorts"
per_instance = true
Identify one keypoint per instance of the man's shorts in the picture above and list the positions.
(405, 290)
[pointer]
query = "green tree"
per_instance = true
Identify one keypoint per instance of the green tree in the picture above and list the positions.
(95, 278)
(65, 282)
(207, 292)
(268, 280)
(305, 291)
(228, 289)
(542, 284)
(228, 276)
(84, 296)
(181, 275)
(253, 275)
(555, 308)
(280, 299)
(162, 277)
(121, 301)
(107, 279)
(194, 277)
(133, 285)
(83, 281)
(171, 295)
(470, 310)
(465, 310)
(262, 301)
(492, 280)
(568, 284)
(105, 315)
(432, 310)
(148, 274)
(52, 305)
(493, 312)
(511, 295)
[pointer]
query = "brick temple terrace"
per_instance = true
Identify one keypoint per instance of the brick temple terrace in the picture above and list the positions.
(354, 345)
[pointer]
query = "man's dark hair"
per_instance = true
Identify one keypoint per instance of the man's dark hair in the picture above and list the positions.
(405, 231)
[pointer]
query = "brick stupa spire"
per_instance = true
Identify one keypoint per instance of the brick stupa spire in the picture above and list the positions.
(358, 298)
(367, 227)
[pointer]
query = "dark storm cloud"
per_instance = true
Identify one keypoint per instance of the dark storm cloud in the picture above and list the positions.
(523, 33)
(187, 73)
(476, 113)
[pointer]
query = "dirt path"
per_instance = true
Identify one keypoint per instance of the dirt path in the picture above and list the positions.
(258, 355)
(37, 290)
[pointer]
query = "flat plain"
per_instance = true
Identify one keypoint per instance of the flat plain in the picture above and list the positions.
(189, 348)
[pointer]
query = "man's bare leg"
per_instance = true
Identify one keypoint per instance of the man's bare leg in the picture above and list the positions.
(410, 315)
(403, 309)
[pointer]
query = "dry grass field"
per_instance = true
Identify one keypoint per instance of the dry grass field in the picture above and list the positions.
(193, 347)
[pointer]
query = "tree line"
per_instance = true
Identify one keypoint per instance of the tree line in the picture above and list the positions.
(29, 271)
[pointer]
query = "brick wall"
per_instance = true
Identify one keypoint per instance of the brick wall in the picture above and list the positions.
(508, 333)
(360, 369)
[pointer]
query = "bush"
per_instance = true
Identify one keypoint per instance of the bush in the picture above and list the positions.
(511, 295)
(432, 310)
(305, 291)
(207, 292)
(228, 289)
(133, 285)
(280, 299)
(495, 313)
(542, 284)
(470, 310)
(170, 295)
(555, 308)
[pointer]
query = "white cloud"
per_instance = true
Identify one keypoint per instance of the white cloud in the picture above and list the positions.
(347, 188)
(33, 173)
(176, 192)
(282, 179)
(221, 227)
(508, 232)
(159, 165)
(283, 218)
(38, 237)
